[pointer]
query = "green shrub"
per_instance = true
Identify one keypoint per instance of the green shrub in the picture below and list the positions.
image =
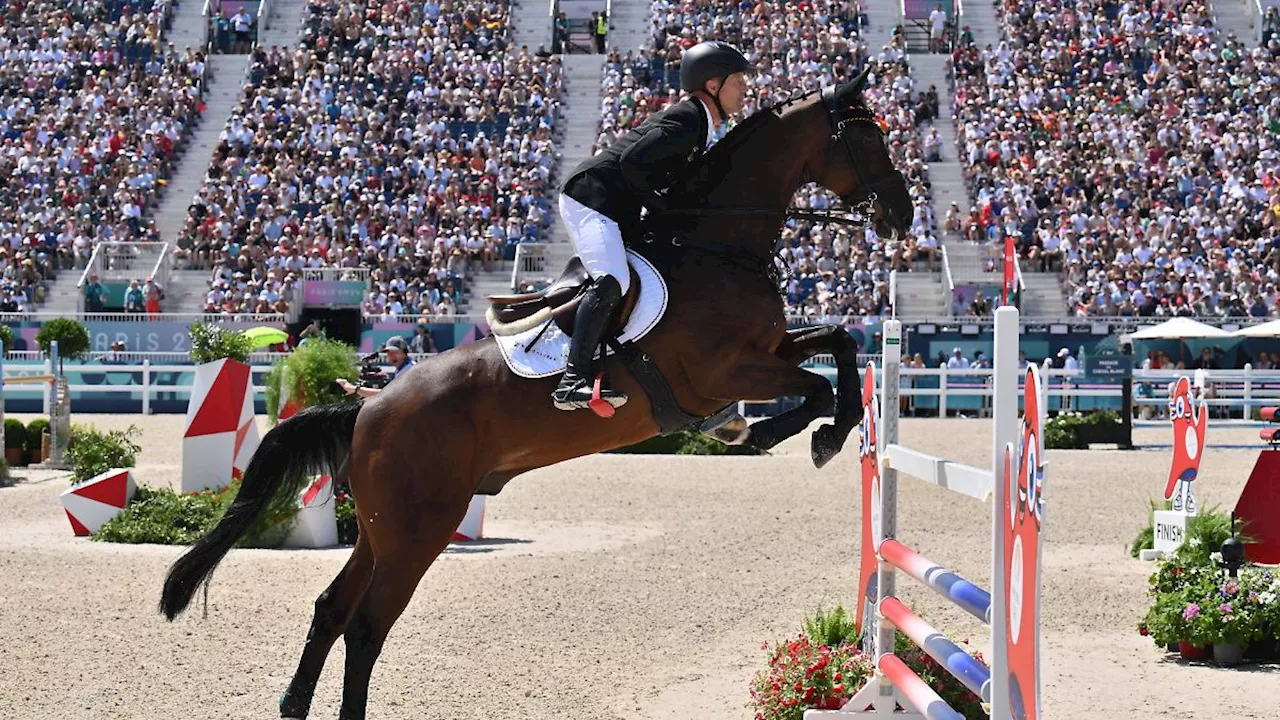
(71, 336)
(686, 443)
(6, 338)
(93, 452)
(211, 342)
(831, 628)
(164, 517)
(309, 372)
(1146, 540)
(348, 526)
(35, 429)
(1060, 432)
(15, 434)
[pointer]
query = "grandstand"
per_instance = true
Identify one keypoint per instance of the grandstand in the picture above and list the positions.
(416, 148)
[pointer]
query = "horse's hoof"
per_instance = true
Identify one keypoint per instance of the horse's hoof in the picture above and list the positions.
(291, 707)
(824, 445)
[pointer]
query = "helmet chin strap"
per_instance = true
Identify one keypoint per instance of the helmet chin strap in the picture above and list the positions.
(724, 116)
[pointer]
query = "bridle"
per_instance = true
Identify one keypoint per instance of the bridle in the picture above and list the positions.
(859, 214)
(841, 118)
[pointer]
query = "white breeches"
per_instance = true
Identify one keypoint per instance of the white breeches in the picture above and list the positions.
(597, 240)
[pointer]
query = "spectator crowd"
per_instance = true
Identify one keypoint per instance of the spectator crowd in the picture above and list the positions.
(93, 106)
(413, 141)
(1132, 147)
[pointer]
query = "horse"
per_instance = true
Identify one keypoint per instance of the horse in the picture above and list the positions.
(723, 339)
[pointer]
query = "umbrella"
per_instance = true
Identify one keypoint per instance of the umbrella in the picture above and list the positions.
(265, 336)
(1179, 328)
(1265, 330)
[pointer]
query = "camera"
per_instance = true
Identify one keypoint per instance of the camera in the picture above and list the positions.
(371, 376)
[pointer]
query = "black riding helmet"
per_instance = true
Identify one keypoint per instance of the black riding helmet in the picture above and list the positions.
(713, 60)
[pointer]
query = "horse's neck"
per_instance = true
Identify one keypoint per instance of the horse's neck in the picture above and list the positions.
(765, 173)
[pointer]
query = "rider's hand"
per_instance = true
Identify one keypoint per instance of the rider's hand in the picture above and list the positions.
(346, 386)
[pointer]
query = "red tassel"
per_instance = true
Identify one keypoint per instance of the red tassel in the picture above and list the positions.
(599, 405)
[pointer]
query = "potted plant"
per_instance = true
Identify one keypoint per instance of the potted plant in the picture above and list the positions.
(220, 434)
(299, 380)
(15, 438)
(6, 338)
(305, 377)
(1230, 622)
(37, 438)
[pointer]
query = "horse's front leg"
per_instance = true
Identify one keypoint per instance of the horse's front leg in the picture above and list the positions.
(803, 343)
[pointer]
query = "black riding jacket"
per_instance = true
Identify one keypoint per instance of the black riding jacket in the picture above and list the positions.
(648, 159)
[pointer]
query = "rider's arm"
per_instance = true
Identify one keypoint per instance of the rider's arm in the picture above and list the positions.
(649, 164)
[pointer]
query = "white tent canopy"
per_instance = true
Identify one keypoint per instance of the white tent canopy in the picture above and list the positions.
(1179, 328)
(1265, 330)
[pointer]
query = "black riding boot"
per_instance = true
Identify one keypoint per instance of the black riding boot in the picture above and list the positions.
(592, 318)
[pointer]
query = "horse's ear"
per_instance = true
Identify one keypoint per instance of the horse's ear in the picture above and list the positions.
(860, 82)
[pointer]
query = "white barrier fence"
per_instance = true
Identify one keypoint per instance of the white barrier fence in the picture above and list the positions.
(931, 391)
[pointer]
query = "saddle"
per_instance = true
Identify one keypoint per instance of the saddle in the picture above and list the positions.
(513, 314)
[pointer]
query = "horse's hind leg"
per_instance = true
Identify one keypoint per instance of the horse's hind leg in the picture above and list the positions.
(333, 608)
(802, 344)
(409, 549)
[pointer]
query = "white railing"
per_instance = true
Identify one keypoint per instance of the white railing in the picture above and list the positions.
(893, 293)
(531, 259)
(1240, 392)
(142, 376)
(206, 24)
(126, 260)
(264, 17)
(948, 283)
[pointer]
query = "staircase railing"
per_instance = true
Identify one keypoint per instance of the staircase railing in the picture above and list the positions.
(126, 261)
(948, 284)
(531, 258)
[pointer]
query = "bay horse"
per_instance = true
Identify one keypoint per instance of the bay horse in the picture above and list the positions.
(723, 339)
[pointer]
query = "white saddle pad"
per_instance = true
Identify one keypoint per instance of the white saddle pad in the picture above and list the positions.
(548, 355)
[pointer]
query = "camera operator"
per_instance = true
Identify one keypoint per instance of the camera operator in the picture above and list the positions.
(398, 353)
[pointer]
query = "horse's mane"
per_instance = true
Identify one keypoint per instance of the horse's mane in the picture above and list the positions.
(709, 168)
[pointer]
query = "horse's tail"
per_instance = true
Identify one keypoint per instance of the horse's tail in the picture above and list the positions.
(315, 441)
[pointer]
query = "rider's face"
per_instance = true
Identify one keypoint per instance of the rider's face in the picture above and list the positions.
(732, 92)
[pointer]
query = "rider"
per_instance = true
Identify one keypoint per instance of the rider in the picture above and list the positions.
(605, 193)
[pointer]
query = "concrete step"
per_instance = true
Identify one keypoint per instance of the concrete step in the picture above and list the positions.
(919, 295)
(531, 24)
(63, 295)
(284, 23)
(186, 29)
(1232, 17)
(187, 291)
(221, 96)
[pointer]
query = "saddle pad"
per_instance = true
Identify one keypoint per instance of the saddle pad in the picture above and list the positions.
(549, 354)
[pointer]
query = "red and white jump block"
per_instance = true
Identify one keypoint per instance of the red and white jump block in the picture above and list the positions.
(93, 502)
(220, 435)
(472, 526)
(316, 523)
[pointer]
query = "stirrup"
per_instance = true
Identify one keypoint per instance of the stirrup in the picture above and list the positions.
(578, 395)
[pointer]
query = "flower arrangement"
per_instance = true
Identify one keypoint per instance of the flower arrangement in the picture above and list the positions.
(822, 667)
(1197, 604)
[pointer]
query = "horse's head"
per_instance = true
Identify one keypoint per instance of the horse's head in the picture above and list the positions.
(856, 164)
